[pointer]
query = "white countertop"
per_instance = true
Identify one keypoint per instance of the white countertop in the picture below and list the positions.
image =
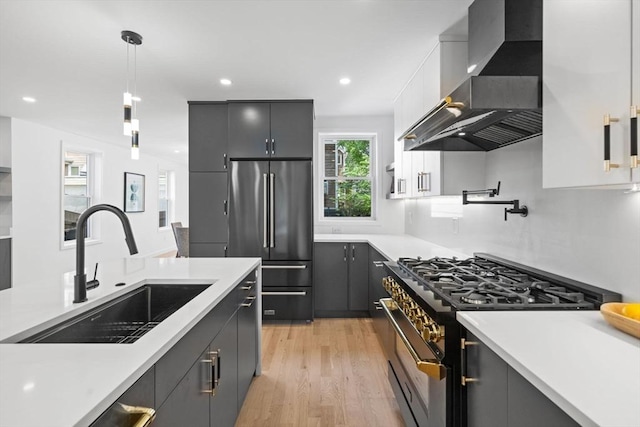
(72, 384)
(394, 246)
(588, 368)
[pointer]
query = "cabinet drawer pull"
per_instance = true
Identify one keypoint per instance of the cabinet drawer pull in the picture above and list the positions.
(300, 294)
(607, 143)
(378, 264)
(284, 267)
(378, 305)
(246, 288)
(635, 110)
(463, 361)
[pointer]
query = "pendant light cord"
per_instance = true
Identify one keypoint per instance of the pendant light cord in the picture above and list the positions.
(127, 64)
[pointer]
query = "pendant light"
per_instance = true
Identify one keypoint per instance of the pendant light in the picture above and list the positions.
(131, 124)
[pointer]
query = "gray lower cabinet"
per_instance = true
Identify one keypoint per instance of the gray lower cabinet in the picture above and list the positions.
(376, 292)
(247, 340)
(223, 351)
(5, 264)
(501, 397)
(340, 279)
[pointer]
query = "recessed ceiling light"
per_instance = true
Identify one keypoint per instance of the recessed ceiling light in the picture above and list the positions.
(345, 81)
(176, 151)
(225, 82)
(28, 99)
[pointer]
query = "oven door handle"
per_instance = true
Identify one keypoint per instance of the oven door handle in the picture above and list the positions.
(431, 367)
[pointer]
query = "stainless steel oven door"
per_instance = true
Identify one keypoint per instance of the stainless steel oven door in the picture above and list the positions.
(423, 370)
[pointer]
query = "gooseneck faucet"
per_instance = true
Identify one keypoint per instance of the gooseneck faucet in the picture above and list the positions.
(80, 279)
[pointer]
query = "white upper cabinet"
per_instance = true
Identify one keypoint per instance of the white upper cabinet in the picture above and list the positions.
(590, 69)
(433, 173)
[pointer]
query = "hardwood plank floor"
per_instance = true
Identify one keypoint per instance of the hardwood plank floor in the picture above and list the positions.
(331, 372)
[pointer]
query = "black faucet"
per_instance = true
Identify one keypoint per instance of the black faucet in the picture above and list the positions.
(80, 279)
(492, 192)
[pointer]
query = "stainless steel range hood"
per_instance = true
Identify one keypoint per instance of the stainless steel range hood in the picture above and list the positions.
(502, 104)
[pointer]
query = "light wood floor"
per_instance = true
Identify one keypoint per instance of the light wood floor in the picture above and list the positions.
(331, 372)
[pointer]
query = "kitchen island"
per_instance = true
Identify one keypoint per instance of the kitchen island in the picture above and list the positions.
(72, 384)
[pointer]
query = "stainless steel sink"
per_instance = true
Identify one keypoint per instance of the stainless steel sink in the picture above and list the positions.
(124, 319)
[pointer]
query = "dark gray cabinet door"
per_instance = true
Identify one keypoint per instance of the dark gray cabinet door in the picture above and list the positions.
(247, 345)
(208, 125)
(188, 405)
(249, 181)
(5, 264)
(224, 404)
(292, 207)
(487, 399)
(249, 130)
(207, 207)
(330, 277)
(292, 129)
(358, 276)
(376, 291)
(528, 407)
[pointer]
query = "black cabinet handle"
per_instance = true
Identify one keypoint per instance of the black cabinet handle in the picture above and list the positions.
(463, 361)
(266, 146)
(345, 252)
(226, 204)
(607, 143)
(273, 146)
(353, 252)
(635, 110)
(224, 160)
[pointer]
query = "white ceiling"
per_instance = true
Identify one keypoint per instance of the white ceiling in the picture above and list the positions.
(69, 56)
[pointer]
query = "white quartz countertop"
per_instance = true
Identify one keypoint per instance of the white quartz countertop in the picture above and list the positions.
(394, 246)
(72, 384)
(588, 368)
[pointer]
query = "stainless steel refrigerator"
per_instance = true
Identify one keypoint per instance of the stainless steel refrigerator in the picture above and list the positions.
(271, 216)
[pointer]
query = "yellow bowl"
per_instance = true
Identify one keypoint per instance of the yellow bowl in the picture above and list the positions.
(612, 312)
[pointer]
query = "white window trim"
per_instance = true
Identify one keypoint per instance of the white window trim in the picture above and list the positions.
(373, 172)
(94, 182)
(171, 196)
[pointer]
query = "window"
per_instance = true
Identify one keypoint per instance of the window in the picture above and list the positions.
(165, 207)
(77, 191)
(346, 162)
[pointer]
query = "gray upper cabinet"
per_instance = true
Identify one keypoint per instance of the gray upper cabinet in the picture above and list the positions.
(208, 128)
(271, 129)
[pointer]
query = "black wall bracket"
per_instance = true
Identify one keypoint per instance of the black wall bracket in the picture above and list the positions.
(492, 192)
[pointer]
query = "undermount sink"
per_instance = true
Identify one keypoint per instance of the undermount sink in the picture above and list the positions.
(124, 319)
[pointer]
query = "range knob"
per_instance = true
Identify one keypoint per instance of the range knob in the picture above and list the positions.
(421, 322)
(433, 332)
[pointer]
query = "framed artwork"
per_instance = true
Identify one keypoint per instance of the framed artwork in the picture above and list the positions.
(133, 192)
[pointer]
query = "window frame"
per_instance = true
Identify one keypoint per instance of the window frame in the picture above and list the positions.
(94, 191)
(373, 139)
(170, 197)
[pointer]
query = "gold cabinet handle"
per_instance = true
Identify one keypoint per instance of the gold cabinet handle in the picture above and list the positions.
(146, 415)
(463, 361)
(607, 143)
(633, 124)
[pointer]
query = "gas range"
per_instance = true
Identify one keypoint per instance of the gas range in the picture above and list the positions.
(486, 282)
(424, 296)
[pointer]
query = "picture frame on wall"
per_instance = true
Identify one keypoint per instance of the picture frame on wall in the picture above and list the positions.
(133, 192)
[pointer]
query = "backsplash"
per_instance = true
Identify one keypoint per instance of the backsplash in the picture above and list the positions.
(588, 235)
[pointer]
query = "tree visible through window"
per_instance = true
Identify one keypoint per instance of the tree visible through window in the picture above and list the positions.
(347, 177)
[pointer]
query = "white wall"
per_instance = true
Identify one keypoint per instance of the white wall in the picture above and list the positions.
(588, 235)
(36, 170)
(389, 212)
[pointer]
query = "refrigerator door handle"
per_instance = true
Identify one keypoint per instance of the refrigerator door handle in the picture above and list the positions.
(272, 221)
(264, 210)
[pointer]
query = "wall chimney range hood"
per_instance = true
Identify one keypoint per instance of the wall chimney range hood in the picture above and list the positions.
(501, 103)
